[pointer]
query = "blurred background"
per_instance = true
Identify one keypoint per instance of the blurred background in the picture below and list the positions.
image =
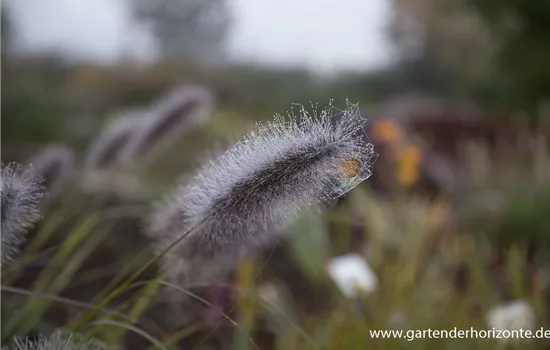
(452, 227)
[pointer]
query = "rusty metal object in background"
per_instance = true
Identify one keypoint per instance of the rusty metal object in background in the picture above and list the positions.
(422, 149)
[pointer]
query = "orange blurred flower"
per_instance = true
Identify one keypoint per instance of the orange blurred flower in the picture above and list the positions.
(387, 131)
(409, 159)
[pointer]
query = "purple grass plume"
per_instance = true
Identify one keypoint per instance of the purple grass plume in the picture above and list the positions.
(114, 139)
(21, 191)
(56, 165)
(58, 340)
(101, 175)
(171, 116)
(243, 199)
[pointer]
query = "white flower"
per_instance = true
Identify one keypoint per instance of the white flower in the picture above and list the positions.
(352, 274)
(514, 315)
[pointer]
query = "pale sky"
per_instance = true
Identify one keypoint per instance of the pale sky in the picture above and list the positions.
(324, 35)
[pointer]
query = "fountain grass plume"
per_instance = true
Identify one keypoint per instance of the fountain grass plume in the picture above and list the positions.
(58, 340)
(56, 165)
(241, 200)
(106, 150)
(173, 115)
(21, 191)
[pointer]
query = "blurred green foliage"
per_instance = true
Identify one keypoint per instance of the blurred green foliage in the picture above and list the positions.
(31, 115)
(521, 32)
(527, 216)
(519, 218)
